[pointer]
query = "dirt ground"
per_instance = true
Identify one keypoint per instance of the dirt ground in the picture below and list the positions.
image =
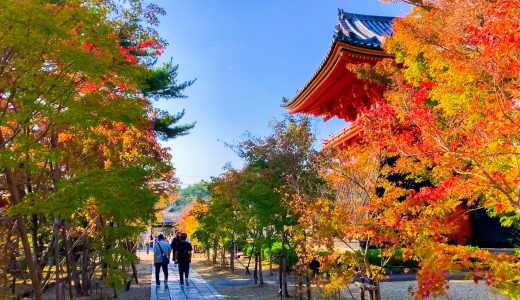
(140, 291)
(238, 285)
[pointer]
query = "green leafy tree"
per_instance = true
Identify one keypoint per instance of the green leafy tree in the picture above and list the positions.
(193, 192)
(279, 168)
(256, 204)
(79, 155)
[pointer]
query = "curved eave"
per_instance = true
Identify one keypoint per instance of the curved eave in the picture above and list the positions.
(324, 73)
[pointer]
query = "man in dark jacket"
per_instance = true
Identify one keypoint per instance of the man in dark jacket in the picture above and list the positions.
(183, 257)
(175, 242)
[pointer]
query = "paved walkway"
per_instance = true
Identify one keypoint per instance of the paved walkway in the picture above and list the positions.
(199, 289)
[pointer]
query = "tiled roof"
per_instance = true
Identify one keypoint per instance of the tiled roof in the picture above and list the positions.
(363, 30)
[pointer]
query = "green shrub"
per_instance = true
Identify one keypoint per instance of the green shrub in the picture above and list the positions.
(292, 258)
(374, 257)
(516, 253)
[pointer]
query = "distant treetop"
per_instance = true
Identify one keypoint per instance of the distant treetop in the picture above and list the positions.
(190, 193)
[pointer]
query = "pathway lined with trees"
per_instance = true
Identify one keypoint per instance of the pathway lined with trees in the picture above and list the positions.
(82, 172)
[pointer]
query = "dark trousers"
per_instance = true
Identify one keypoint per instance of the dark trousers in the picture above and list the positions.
(184, 271)
(158, 266)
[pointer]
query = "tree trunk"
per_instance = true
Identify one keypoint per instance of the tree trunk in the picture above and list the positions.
(134, 272)
(57, 221)
(49, 273)
(34, 233)
(85, 278)
(377, 292)
(104, 270)
(130, 246)
(255, 273)
(308, 283)
(34, 270)
(55, 233)
(270, 262)
(260, 274)
(5, 256)
(128, 281)
(372, 294)
(249, 261)
(214, 256)
(72, 269)
(69, 277)
(63, 285)
(280, 271)
(300, 286)
(285, 288)
(223, 257)
(105, 250)
(284, 268)
(299, 278)
(232, 257)
(306, 267)
(115, 292)
(34, 220)
(49, 253)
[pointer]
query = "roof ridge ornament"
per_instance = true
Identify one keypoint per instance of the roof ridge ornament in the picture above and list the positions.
(341, 12)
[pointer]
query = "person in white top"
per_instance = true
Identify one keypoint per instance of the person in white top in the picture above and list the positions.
(161, 256)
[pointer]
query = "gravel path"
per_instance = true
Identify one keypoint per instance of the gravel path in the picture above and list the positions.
(237, 285)
(459, 290)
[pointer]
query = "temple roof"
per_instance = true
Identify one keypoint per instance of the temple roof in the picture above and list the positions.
(355, 33)
(363, 30)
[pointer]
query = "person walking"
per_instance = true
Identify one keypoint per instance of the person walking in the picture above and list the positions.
(175, 242)
(149, 243)
(161, 256)
(183, 258)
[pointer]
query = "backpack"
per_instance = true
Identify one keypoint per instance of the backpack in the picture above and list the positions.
(184, 255)
(175, 243)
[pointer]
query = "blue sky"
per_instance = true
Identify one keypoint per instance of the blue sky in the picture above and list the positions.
(246, 56)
